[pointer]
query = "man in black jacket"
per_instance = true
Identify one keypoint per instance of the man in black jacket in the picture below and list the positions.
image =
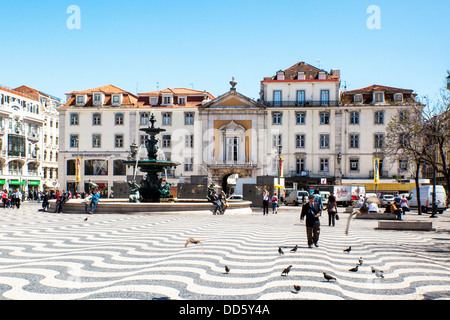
(312, 221)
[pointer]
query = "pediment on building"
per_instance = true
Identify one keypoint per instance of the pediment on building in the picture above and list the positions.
(232, 99)
(232, 126)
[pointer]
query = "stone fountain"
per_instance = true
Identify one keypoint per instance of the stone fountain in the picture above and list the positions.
(151, 188)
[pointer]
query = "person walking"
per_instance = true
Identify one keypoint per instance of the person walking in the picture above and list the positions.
(274, 204)
(318, 204)
(95, 200)
(18, 196)
(58, 197)
(312, 221)
(404, 204)
(4, 198)
(45, 202)
(332, 210)
(265, 202)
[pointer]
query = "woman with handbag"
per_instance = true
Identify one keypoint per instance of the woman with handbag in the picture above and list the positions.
(332, 210)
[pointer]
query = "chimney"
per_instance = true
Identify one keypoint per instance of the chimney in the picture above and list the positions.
(336, 72)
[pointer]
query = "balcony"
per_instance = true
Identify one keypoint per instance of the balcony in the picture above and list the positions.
(232, 164)
(383, 174)
(296, 104)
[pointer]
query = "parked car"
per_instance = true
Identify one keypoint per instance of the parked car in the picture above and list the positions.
(236, 197)
(387, 197)
(295, 197)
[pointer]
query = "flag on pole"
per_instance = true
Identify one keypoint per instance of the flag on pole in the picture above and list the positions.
(77, 169)
(376, 170)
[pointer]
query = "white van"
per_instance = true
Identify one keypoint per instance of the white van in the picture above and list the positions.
(295, 197)
(426, 198)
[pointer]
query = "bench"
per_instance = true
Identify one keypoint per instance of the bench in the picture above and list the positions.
(406, 225)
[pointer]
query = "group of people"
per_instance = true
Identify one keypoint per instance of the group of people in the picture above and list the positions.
(267, 200)
(11, 199)
(398, 207)
(91, 200)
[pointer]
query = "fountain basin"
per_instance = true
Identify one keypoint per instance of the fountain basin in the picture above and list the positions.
(179, 206)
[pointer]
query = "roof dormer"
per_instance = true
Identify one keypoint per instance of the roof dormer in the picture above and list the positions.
(98, 98)
(116, 99)
(280, 75)
(167, 99)
(81, 99)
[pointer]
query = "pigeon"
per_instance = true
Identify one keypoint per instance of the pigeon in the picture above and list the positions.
(348, 249)
(294, 249)
(296, 288)
(86, 219)
(280, 251)
(378, 273)
(286, 271)
(354, 269)
(360, 261)
(227, 269)
(328, 277)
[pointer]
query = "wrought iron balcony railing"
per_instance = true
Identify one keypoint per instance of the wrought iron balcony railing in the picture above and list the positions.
(298, 104)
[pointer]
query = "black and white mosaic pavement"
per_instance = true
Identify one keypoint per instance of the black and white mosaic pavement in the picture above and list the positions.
(62, 256)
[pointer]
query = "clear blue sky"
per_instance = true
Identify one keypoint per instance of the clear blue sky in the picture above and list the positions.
(202, 44)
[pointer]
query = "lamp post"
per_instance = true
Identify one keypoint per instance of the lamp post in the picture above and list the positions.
(134, 149)
(279, 171)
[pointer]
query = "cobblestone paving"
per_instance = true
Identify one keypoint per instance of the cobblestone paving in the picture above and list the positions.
(110, 256)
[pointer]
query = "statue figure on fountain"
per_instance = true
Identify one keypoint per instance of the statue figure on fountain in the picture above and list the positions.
(165, 191)
(134, 192)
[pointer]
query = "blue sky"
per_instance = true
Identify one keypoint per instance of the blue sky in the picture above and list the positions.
(201, 44)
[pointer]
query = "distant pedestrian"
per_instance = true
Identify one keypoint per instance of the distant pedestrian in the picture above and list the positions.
(404, 204)
(58, 197)
(312, 221)
(318, 204)
(395, 209)
(274, 204)
(45, 202)
(265, 202)
(332, 210)
(4, 198)
(18, 196)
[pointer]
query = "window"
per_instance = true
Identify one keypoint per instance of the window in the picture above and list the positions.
(324, 141)
(277, 98)
(188, 164)
(354, 140)
(74, 119)
(119, 118)
(379, 117)
(189, 141)
(324, 97)
(324, 118)
(143, 119)
(116, 99)
(300, 118)
(324, 165)
(354, 164)
(403, 165)
(96, 119)
(96, 167)
(277, 117)
(276, 140)
(378, 140)
(143, 140)
(167, 119)
(398, 97)
(378, 97)
(300, 98)
(358, 98)
(74, 141)
(300, 166)
(80, 99)
(181, 101)
(118, 141)
(97, 97)
(354, 117)
(189, 118)
(153, 101)
(70, 167)
(119, 168)
(300, 141)
(166, 100)
(402, 116)
(96, 141)
(232, 147)
(166, 141)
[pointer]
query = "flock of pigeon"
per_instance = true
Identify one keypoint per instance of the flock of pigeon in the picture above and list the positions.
(285, 272)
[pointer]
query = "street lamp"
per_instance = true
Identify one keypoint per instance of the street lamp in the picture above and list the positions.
(280, 147)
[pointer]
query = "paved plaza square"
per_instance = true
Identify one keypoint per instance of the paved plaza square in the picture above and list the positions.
(110, 256)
